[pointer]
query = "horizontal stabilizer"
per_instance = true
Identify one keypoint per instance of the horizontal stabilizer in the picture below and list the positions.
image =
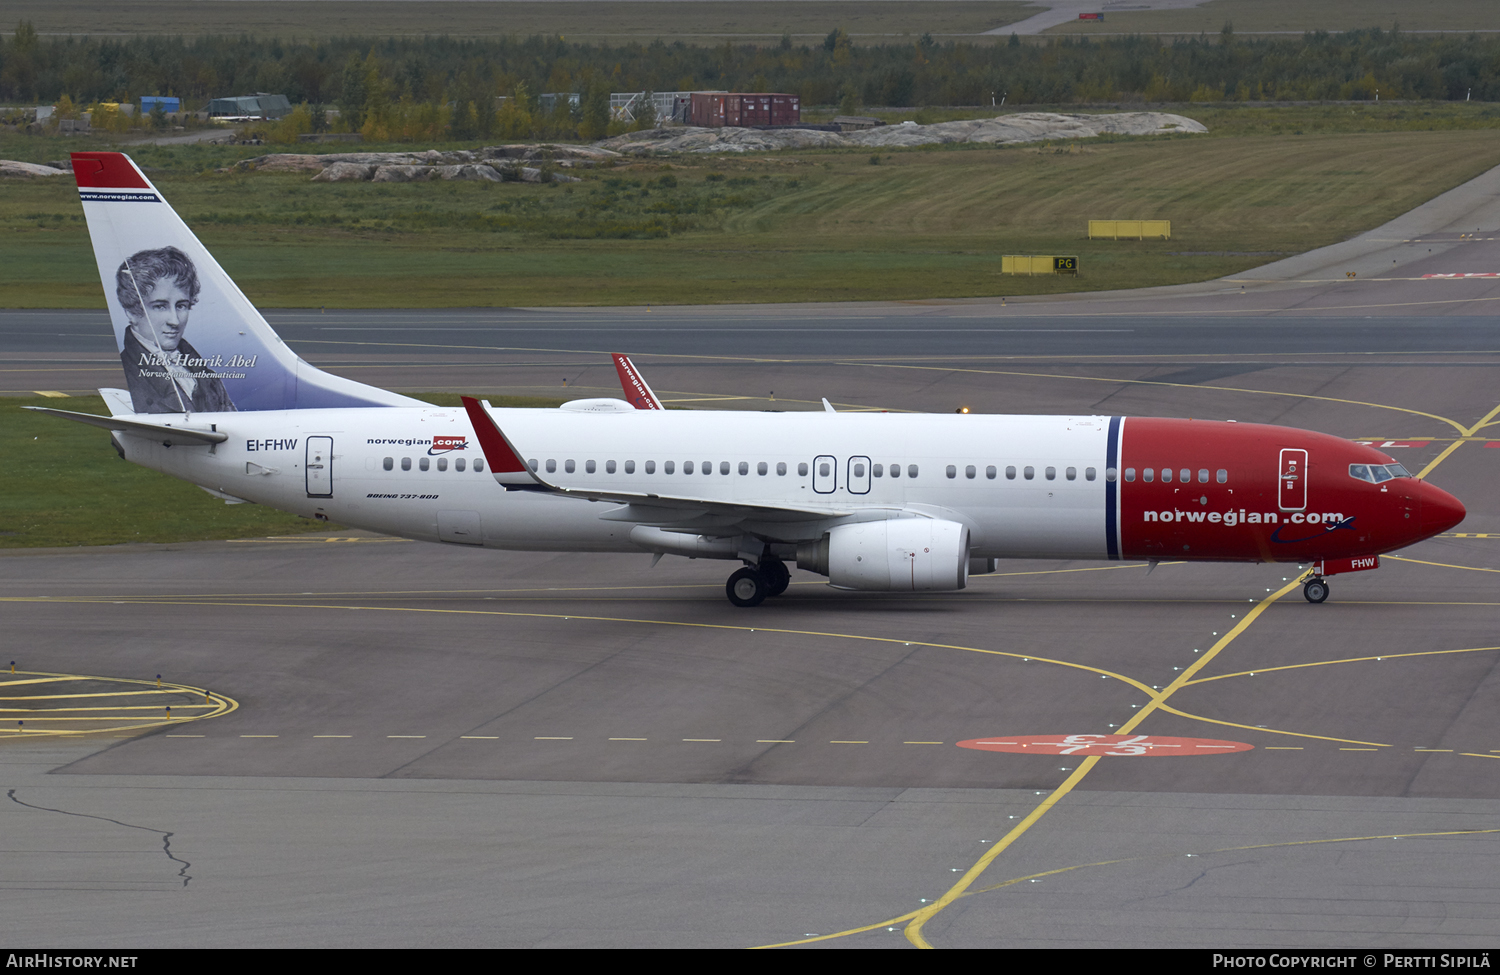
(166, 433)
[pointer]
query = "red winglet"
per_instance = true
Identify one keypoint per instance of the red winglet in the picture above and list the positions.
(107, 171)
(497, 450)
(637, 393)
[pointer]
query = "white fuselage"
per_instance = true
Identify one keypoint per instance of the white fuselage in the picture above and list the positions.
(413, 473)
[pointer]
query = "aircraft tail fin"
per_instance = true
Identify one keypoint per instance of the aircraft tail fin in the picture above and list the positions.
(189, 339)
(637, 393)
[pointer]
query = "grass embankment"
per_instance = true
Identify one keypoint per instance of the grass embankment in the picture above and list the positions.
(789, 226)
(62, 484)
(591, 20)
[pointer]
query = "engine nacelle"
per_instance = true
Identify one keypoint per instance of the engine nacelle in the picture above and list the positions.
(899, 555)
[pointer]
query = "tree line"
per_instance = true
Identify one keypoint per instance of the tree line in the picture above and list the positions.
(410, 82)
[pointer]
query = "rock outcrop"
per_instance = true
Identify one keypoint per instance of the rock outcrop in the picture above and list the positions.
(25, 170)
(1021, 127)
(491, 164)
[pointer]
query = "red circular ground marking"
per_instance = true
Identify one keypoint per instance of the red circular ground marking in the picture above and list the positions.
(1148, 746)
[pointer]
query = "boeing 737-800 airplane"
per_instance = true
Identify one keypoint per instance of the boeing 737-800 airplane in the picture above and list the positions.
(874, 501)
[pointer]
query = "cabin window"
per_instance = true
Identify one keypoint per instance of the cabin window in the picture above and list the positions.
(569, 466)
(1129, 474)
(650, 467)
(762, 469)
(1203, 475)
(458, 463)
(859, 470)
(1010, 473)
(911, 470)
(1222, 476)
(1028, 473)
(990, 472)
(442, 463)
(609, 467)
(424, 463)
(823, 469)
(1071, 473)
(670, 466)
(388, 463)
(687, 467)
(781, 469)
(952, 471)
(895, 470)
(406, 463)
(479, 464)
(630, 467)
(969, 472)
(745, 468)
(551, 466)
(1088, 474)
(802, 470)
(530, 463)
(1166, 475)
(1148, 475)
(1187, 476)
(724, 467)
(589, 467)
(1051, 473)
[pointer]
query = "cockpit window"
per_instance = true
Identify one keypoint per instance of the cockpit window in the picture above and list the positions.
(1377, 473)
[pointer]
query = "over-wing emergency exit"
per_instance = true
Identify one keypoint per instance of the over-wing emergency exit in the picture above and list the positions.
(874, 501)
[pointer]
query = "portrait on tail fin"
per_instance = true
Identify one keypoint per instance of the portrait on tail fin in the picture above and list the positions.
(165, 374)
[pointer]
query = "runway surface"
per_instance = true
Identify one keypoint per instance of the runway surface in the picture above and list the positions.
(440, 746)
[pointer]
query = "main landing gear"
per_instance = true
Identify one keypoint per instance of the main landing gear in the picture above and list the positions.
(1315, 590)
(750, 585)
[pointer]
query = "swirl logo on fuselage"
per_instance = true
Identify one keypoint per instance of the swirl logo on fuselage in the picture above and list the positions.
(1326, 528)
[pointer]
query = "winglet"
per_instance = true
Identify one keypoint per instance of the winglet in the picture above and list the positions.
(637, 393)
(505, 462)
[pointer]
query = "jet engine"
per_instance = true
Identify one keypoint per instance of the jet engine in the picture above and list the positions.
(899, 555)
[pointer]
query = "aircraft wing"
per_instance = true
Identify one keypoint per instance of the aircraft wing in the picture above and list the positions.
(165, 432)
(646, 508)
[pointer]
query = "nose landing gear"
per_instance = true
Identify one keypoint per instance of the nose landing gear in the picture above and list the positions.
(751, 585)
(1315, 590)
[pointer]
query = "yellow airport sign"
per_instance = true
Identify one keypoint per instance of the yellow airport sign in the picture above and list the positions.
(1038, 264)
(1130, 229)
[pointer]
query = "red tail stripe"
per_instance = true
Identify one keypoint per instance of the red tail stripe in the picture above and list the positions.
(106, 171)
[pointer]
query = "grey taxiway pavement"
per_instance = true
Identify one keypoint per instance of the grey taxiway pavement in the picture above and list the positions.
(440, 746)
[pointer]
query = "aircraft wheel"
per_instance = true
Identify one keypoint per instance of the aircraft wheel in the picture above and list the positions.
(1315, 590)
(747, 587)
(778, 576)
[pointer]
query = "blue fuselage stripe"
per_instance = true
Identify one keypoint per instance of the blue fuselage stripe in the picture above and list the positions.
(1112, 463)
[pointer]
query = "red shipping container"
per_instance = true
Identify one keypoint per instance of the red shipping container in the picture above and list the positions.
(715, 109)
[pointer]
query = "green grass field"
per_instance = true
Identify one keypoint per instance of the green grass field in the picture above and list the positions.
(62, 484)
(589, 20)
(790, 226)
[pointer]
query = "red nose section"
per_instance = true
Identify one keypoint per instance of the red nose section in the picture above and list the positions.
(1440, 510)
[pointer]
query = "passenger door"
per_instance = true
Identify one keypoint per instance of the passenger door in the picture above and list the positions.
(1291, 486)
(318, 466)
